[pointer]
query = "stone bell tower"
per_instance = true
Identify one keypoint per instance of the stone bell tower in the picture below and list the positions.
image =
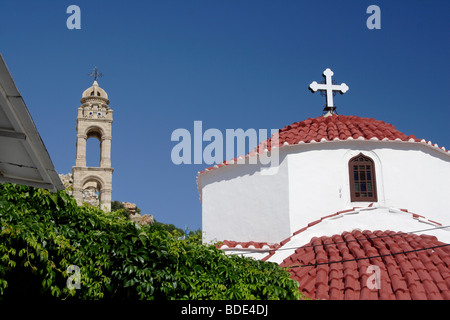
(94, 120)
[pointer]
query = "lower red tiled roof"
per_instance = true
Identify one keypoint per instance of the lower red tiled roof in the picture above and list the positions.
(250, 245)
(336, 267)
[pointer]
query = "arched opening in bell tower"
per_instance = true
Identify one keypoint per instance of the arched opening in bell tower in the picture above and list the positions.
(94, 147)
(92, 190)
(93, 152)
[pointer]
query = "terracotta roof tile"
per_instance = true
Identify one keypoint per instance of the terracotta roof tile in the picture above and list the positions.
(338, 126)
(249, 245)
(336, 267)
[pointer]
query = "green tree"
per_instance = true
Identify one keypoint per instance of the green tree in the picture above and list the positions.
(117, 205)
(44, 233)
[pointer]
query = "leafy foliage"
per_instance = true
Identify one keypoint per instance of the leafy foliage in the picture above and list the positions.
(172, 229)
(177, 232)
(43, 233)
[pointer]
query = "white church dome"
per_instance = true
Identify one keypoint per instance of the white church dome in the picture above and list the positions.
(318, 172)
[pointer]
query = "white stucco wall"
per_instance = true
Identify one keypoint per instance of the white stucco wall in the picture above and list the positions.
(409, 176)
(240, 204)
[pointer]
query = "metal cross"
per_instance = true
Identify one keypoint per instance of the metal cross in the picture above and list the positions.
(95, 74)
(329, 87)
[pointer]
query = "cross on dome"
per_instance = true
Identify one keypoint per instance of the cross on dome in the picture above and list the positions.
(329, 88)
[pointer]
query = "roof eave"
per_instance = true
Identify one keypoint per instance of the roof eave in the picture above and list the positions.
(22, 132)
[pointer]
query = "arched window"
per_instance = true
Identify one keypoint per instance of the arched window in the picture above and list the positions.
(362, 179)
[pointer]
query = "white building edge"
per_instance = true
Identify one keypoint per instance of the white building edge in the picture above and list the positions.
(23, 156)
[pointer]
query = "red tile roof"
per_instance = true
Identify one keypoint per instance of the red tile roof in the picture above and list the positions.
(332, 128)
(337, 127)
(337, 267)
(250, 245)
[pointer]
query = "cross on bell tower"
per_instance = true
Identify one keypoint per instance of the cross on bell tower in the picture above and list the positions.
(95, 74)
(330, 89)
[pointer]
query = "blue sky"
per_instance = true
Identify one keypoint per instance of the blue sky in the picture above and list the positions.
(230, 64)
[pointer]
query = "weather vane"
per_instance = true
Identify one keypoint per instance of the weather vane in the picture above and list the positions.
(95, 74)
